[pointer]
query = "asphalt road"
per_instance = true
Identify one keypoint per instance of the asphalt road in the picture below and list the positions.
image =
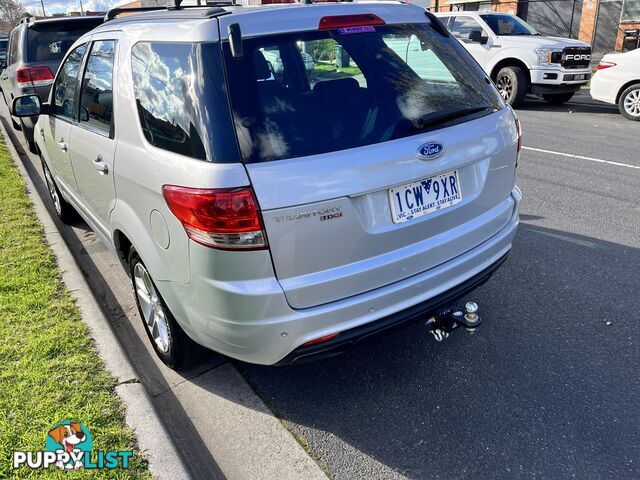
(545, 389)
(548, 387)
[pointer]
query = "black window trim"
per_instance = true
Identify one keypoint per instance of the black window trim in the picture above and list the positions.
(111, 133)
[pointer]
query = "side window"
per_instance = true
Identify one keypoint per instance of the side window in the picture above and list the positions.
(419, 57)
(96, 93)
(64, 88)
(11, 56)
(425, 63)
(166, 88)
(463, 29)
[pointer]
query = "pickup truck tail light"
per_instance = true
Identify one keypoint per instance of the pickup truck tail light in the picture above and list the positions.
(226, 219)
(34, 76)
(603, 65)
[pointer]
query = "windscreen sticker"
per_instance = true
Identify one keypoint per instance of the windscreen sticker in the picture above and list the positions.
(350, 30)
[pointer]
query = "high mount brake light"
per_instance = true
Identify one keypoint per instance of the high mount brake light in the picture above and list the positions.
(345, 21)
(34, 76)
(227, 218)
(604, 65)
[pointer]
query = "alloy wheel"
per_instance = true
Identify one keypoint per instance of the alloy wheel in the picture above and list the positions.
(632, 103)
(505, 86)
(53, 191)
(151, 307)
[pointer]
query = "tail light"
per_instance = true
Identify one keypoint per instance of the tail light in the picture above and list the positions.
(227, 219)
(34, 76)
(604, 65)
(346, 21)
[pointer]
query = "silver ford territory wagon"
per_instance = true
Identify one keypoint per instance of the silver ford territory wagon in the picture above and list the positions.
(282, 181)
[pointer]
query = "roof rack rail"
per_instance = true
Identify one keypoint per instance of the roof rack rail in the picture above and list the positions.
(170, 5)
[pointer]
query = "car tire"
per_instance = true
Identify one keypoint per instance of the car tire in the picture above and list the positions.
(31, 144)
(173, 346)
(63, 209)
(558, 98)
(629, 102)
(512, 85)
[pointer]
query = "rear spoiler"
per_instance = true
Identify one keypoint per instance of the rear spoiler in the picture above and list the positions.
(437, 25)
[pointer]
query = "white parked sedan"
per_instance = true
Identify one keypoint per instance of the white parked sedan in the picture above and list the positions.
(617, 81)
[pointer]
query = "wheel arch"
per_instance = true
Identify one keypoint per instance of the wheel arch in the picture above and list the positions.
(625, 86)
(510, 62)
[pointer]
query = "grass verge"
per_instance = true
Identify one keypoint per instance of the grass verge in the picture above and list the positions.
(50, 370)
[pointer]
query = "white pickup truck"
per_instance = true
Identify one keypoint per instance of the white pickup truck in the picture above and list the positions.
(520, 60)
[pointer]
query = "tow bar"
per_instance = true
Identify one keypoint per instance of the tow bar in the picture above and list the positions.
(447, 320)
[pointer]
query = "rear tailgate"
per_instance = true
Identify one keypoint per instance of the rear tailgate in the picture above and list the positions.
(321, 260)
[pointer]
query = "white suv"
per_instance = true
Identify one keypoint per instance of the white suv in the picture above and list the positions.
(278, 215)
(520, 60)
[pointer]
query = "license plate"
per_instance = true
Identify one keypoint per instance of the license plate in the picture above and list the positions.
(418, 199)
(581, 76)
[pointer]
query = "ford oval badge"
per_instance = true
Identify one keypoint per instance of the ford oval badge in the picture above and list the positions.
(430, 151)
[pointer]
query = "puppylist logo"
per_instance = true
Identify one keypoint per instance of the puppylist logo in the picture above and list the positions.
(69, 446)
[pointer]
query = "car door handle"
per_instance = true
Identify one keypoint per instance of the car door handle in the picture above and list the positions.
(63, 146)
(101, 166)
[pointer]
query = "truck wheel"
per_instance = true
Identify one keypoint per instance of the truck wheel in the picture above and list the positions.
(629, 102)
(64, 210)
(557, 98)
(169, 341)
(512, 84)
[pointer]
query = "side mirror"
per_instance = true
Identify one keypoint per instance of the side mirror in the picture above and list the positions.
(84, 113)
(26, 106)
(476, 36)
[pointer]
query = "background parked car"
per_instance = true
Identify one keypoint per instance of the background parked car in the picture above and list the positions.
(520, 60)
(36, 48)
(4, 41)
(617, 81)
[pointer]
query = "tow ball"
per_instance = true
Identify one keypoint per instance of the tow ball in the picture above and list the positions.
(446, 321)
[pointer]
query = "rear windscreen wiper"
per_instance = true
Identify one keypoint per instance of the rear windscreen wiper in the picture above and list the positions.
(446, 116)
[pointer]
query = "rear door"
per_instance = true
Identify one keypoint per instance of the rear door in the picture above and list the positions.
(358, 189)
(92, 143)
(56, 128)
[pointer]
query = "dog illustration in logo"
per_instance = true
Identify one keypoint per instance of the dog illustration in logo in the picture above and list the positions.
(69, 436)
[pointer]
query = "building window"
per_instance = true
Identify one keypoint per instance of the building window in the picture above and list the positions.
(630, 11)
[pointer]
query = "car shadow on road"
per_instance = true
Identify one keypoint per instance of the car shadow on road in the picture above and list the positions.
(543, 388)
(579, 104)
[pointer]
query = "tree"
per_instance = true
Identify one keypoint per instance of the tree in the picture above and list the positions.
(11, 11)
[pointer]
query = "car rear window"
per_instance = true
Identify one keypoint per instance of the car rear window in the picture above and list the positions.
(50, 42)
(308, 93)
(181, 100)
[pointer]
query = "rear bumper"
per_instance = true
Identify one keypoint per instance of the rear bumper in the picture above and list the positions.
(250, 320)
(421, 311)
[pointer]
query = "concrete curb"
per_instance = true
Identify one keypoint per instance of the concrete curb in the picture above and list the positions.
(164, 460)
